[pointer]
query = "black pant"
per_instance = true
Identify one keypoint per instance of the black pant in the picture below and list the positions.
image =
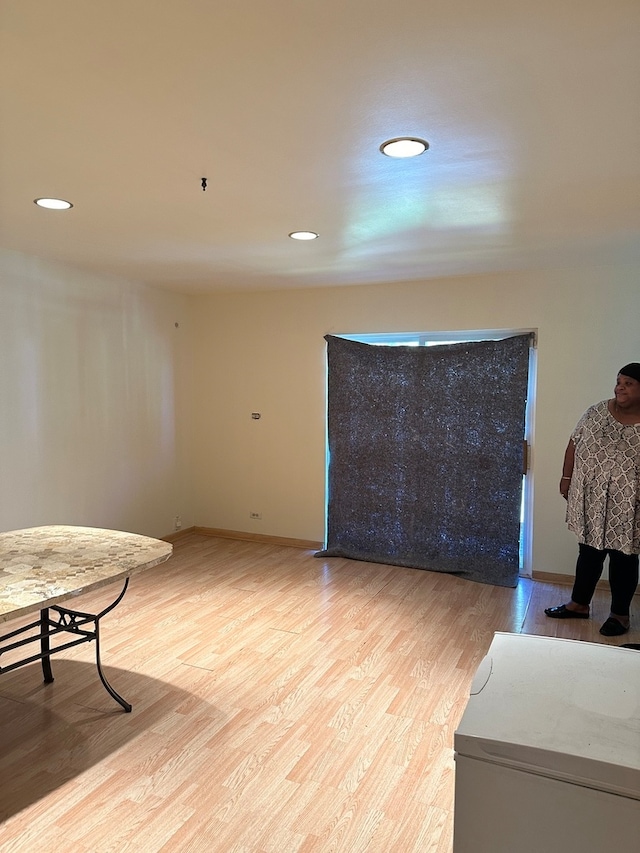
(623, 577)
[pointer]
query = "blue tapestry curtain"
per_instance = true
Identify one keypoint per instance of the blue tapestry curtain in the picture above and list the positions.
(426, 455)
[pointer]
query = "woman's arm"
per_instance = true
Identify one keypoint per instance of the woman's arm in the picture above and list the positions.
(567, 468)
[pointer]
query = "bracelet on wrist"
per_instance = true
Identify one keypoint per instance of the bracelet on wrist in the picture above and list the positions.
(565, 478)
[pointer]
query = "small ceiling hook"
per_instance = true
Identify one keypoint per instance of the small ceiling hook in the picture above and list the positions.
(204, 184)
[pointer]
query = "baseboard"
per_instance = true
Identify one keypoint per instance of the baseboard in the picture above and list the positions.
(306, 544)
(179, 534)
(566, 580)
(551, 577)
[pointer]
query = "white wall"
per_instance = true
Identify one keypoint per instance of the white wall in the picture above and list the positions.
(265, 352)
(93, 373)
(98, 424)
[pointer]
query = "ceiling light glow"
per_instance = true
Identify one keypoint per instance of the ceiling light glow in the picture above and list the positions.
(304, 235)
(404, 146)
(53, 203)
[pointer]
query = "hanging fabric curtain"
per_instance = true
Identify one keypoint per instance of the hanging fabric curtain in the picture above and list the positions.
(425, 455)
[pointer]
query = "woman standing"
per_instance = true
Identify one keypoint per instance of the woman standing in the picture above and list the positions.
(601, 484)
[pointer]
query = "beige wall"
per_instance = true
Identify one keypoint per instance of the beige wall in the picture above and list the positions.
(265, 352)
(92, 417)
(112, 416)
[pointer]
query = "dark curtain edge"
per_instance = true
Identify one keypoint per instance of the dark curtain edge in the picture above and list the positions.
(337, 553)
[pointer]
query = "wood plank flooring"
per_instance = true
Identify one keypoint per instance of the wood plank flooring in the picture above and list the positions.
(282, 703)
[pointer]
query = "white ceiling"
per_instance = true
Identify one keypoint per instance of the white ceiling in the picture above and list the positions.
(532, 112)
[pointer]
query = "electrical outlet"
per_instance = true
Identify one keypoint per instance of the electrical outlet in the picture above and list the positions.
(177, 523)
(256, 515)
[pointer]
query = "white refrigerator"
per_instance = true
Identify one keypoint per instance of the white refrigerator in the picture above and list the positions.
(547, 753)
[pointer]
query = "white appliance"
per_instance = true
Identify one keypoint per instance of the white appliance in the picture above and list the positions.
(548, 749)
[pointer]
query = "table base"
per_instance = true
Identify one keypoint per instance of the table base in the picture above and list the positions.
(86, 627)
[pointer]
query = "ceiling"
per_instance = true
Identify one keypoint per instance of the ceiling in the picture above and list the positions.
(531, 110)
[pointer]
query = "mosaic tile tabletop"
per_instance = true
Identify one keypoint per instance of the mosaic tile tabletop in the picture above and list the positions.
(40, 566)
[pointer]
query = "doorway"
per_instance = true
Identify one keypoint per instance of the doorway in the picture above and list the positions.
(452, 340)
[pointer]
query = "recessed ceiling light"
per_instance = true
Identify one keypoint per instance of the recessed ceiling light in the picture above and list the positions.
(404, 146)
(304, 235)
(53, 203)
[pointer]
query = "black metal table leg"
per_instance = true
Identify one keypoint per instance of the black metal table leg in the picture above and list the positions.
(45, 646)
(103, 679)
(74, 622)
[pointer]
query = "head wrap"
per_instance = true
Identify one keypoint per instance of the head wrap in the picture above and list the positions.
(632, 370)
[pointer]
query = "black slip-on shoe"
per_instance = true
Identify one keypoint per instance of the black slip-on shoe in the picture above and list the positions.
(563, 612)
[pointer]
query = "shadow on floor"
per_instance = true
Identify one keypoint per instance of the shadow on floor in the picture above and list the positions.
(65, 728)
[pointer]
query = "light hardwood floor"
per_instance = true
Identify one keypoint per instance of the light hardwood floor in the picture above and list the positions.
(281, 703)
